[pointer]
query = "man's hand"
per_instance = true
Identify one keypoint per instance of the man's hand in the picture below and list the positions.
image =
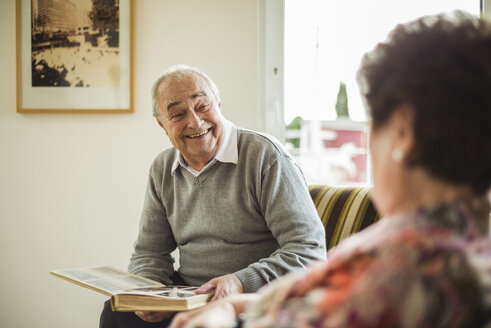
(223, 286)
(153, 316)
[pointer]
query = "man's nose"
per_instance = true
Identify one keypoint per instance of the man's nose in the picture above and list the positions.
(194, 120)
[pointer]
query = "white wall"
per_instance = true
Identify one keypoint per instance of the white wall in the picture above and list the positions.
(71, 185)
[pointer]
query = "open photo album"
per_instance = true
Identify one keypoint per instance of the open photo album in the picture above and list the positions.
(130, 292)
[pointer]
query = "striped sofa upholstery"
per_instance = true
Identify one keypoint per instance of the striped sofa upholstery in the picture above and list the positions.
(343, 210)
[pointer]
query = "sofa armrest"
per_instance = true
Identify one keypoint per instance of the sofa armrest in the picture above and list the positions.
(343, 210)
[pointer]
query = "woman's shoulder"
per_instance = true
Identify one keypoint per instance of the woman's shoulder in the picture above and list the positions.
(401, 268)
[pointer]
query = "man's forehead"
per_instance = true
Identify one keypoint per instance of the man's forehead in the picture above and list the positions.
(172, 103)
(174, 89)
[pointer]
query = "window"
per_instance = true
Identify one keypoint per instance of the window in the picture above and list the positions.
(325, 121)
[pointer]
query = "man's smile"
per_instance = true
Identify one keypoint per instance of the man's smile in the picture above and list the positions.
(199, 134)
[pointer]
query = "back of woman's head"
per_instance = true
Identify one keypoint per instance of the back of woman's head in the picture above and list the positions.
(441, 67)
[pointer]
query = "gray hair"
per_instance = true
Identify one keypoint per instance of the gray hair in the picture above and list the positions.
(179, 72)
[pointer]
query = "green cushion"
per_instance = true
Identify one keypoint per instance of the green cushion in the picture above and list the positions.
(343, 210)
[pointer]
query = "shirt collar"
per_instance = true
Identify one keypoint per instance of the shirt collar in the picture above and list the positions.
(228, 152)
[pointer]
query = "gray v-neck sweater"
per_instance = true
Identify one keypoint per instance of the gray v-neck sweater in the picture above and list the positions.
(254, 218)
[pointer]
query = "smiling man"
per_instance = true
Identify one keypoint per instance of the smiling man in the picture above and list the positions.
(231, 200)
(190, 114)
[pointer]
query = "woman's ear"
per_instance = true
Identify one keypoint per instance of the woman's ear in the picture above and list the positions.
(403, 128)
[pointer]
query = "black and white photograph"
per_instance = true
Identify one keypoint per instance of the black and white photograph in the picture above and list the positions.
(75, 43)
(76, 55)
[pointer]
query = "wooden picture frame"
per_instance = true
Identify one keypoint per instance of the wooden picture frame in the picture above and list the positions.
(74, 56)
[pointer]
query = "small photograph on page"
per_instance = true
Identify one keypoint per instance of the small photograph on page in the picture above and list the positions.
(167, 288)
(175, 294)
(186, 288)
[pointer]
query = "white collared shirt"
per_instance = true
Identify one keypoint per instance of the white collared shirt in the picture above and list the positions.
(228, 152)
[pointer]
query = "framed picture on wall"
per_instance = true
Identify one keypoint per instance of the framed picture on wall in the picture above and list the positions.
(74, 56)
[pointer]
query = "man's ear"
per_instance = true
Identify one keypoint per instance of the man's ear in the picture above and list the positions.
(161, 123)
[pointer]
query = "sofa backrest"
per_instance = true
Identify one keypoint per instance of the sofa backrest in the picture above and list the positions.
(343, 210)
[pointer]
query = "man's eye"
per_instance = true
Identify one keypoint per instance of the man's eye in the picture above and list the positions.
(175, 117)
(203, 108)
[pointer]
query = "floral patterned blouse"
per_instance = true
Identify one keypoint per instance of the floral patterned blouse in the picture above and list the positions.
(431, 268)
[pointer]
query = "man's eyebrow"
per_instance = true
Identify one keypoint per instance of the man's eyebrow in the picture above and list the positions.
(177, 102)
(173, 103)
(199, 94)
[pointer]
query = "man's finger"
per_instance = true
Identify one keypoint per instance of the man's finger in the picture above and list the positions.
(141, 314)
(206, 287)
(221, 291)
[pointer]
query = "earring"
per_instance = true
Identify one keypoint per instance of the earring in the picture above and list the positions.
(396, 155)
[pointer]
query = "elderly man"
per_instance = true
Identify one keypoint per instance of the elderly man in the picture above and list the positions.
(231, 200)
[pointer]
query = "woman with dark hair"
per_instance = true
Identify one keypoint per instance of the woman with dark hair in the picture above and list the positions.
(427, 263)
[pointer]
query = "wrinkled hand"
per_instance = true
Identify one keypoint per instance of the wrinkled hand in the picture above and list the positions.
(153, 316)
(222, 286)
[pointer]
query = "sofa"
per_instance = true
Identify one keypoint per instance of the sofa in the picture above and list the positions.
(343, 210)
